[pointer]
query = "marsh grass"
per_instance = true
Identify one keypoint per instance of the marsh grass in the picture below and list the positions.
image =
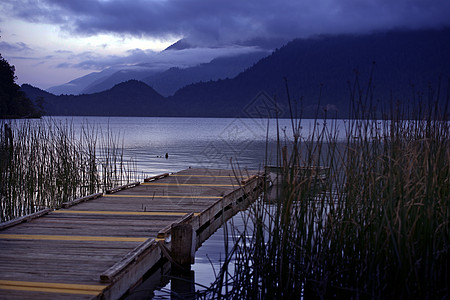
(377, 227)
(52, 162)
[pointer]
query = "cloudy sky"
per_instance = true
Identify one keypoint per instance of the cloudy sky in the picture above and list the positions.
(51, 42)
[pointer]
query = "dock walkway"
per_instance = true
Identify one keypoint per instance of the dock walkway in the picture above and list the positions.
(101, 246)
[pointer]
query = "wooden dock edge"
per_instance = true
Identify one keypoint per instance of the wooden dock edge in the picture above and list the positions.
(133, 184)
(150, 179)
(165, 232)
(122, 187)
(226, 207)
(215, 224)
(81, 199)
(127, 272)
(26, 218)
(132, 267)
(130, 270)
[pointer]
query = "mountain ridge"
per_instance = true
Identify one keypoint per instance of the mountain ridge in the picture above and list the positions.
(130, 98)
(319, 72)
(157, 76)
(325, 73)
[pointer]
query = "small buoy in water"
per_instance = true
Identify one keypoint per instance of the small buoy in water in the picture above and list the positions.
(167, 155)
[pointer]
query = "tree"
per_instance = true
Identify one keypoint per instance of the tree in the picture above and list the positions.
(13, 102)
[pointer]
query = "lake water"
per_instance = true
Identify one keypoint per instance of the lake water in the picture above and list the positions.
(194, 142)
(197, 143)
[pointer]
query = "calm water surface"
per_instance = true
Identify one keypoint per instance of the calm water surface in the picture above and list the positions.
(193, 142)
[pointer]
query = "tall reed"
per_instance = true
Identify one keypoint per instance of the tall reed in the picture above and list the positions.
(52, 162)
(364, 217)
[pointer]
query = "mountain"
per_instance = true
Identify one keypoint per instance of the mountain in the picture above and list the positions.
(157, 74)
(77, 85)
(168, 82)
(134, 72)
(130, 98)
(322, 72)
(403, 62)
(180, 45)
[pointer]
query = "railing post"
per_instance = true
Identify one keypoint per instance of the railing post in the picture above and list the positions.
(182, 244)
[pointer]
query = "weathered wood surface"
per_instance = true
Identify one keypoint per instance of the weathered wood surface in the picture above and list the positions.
(82, 199)
(24, 218)
(102, 247)
(122, 187)
(153, 178)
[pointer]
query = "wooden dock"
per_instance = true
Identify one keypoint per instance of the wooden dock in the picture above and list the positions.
(98, 247)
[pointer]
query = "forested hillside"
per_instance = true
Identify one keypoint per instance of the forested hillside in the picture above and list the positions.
(324, 74)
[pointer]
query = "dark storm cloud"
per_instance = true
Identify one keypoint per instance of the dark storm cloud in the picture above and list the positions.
(227, 21)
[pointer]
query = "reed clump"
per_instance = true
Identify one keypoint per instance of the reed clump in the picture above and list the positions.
(45, 163)
(363, 217)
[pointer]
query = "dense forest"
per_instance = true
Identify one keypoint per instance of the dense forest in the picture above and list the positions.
(13, 102)
(332, 71)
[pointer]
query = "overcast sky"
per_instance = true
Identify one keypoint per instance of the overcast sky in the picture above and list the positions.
(51, 42)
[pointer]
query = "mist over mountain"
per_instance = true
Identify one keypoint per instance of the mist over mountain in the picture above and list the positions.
(122, 75)
(226, 61)
(322, 72)
(76, 86)
(168, 82)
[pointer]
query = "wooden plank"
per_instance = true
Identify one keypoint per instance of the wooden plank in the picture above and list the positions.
(207, 176)
(149, 179)
(14, 284)
(122, 187)
(190, 184)
(248, 179)
(128, 231)
(234, 197)
(209, 213)
(175, 205)
(71, 238)
(163, 196)
(82, 199)
(24, 218)
(129, 213)
(48, 290)
(135, 270)
(218, 221)
(213, 172)
(165, 232)
(111, 274)
(214, 224)
(59, 245)
(20, 295)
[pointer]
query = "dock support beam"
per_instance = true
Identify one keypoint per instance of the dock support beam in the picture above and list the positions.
(183, 244)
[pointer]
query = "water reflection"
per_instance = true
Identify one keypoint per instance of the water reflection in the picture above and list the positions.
(194, 142)
(166, 282)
